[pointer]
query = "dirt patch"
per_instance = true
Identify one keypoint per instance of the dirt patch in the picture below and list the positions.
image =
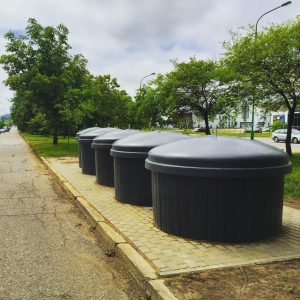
(292, 202)
(280, 280)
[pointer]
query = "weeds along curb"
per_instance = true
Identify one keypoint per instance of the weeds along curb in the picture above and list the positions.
(144, 274)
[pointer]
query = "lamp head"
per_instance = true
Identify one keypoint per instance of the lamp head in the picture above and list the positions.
(286, 3)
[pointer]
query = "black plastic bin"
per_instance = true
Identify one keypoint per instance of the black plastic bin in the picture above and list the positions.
(103, 161)
(132, 181)
(77, 136)
(87, 153)
(218, 189)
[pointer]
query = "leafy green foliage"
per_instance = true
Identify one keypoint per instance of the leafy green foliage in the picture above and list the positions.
(292, 180)
(278, 125)
(105, 104)
(154, 106)
(54, 92)
(198, 86)
(2, 123)
(22, 110)
(41, 71)
(38, 124)
(201, 87)
(270, 64)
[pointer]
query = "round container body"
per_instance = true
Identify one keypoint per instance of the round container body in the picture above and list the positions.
(218, 189)
(132, 181)
(87, 153)
(77, 136)
(217, 209)
(104, 163)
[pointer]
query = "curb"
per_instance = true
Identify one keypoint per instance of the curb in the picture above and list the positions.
(135, 263)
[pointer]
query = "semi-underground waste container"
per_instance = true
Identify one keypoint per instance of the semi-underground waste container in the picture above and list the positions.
(220, 189)
(104, 162)
(87, 153)
(132, 181)
(77, 135)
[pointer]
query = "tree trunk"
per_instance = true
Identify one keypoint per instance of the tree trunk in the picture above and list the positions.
(55, 136)
(288, 147)
(207, 130)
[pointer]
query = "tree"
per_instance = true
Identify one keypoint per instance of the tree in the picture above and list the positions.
(104, 102)
(39, 65)
(200, 87)
(1, 122)
(22, 110)
(154, 106)
(272, 63)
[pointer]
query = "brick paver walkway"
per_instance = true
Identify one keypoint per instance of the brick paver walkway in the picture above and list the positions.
(170, 254)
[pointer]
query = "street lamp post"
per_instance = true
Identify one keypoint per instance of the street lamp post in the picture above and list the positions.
(144, 78)
(255, 38)
(142, 93)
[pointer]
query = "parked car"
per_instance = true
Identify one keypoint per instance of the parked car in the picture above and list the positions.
(280, 135)
(2, 130)
(255, 130)
(265, 129)
(199, 129)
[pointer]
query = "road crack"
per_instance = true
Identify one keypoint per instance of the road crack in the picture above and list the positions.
(60, 228)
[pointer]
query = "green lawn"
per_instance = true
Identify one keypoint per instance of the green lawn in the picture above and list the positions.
(42, 145)
(292, 181)
(224, 132)
(242, 134)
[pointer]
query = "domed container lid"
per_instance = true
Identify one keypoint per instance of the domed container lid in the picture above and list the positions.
(89, 136)
(138, 145)
(219, 156)
(105, 141)
(85, 131)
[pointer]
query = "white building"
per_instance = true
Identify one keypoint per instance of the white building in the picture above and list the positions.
(244, 119)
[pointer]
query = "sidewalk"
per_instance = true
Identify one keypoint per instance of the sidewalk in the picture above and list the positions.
(154, 254)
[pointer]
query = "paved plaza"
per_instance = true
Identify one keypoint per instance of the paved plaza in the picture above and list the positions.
(169, 254)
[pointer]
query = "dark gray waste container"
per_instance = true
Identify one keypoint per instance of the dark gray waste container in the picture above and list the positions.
(103, 161)
(87, 153)
(219, 189)
(77, 135)
(132, 180)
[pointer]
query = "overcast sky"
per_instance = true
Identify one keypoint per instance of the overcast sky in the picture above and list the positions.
(132, 38)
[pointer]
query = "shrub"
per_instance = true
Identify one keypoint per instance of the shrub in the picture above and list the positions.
(278, 125)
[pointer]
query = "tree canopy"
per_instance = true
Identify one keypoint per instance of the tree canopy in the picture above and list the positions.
(40, 68)
(197, 86)
(53, 90)
(272, 63)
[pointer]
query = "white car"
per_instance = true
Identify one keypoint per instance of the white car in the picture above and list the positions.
(280, 135)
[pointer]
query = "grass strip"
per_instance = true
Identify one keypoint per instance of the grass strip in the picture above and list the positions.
(42, 145)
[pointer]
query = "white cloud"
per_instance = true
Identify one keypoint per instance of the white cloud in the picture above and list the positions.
(132, 38)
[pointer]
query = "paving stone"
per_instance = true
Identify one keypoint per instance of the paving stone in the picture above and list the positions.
(171, 254)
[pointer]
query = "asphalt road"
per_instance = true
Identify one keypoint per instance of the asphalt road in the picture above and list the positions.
(47, 250)
(280, 145)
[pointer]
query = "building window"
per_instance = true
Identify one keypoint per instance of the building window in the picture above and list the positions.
(246, 113)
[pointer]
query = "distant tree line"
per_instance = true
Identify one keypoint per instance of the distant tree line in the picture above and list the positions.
(54, 92)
